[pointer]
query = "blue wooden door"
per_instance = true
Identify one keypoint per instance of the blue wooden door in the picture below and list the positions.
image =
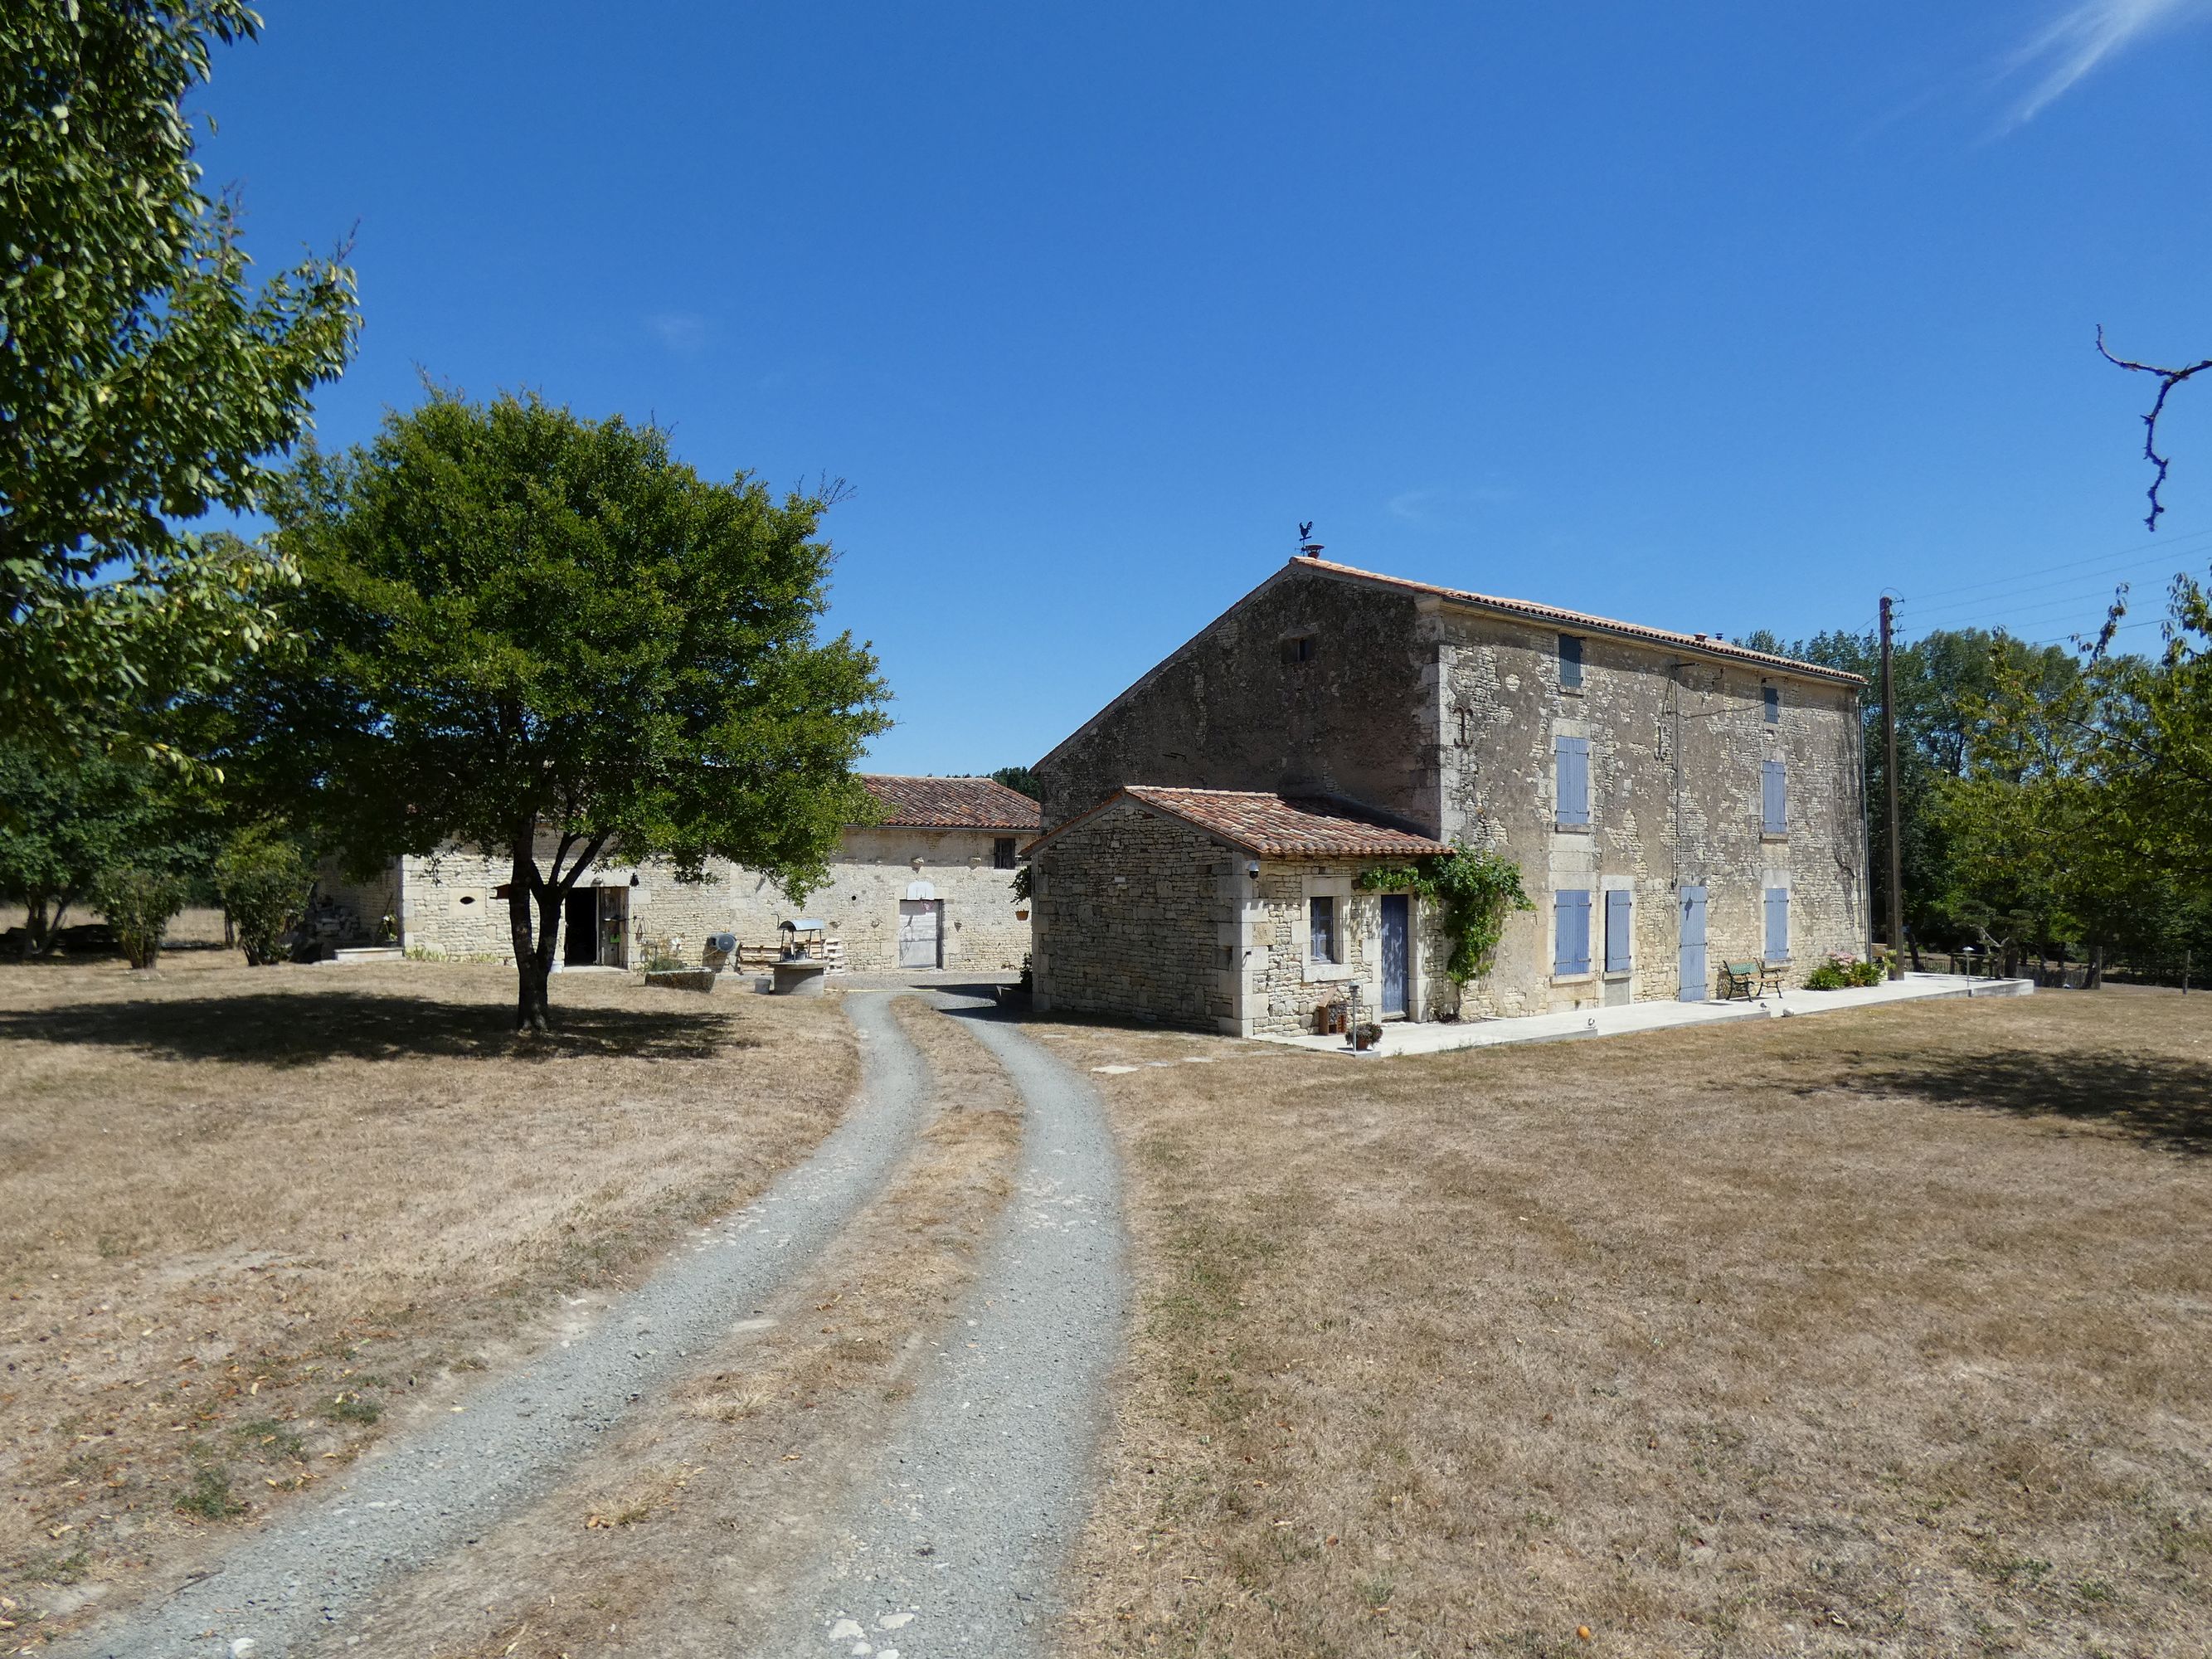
(1691, 903)
(1396, 952)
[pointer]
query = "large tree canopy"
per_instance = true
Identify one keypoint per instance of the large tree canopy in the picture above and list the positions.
(541, 635)
(144, 378)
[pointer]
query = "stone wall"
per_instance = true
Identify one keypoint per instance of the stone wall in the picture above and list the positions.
(1140, 916)
(1674, 801)
(1285, 985)
(448, 907)
(1129, 919)
(1226, 711)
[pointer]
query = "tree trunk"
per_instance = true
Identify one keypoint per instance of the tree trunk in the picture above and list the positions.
(1912, 945)
(2095, 979)
(38, 933)
(530, 1004)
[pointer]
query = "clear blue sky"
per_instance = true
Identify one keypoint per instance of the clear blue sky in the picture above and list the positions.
(1708, 316)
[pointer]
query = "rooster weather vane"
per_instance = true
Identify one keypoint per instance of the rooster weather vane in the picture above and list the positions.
(1307, 544)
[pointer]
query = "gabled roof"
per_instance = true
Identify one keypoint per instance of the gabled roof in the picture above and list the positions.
(1692, 645)
(951, 803)
(1271, 826)
(1704, 645)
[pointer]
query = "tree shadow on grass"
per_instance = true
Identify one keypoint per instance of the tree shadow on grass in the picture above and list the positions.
(280, 1029)
(2160, 1101)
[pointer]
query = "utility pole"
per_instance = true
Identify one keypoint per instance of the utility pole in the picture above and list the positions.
(1889, 780)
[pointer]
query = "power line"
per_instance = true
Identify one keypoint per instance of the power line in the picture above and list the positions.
(2139, 551)
(2118, 572)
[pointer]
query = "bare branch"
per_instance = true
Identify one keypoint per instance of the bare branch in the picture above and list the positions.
(2168, 380)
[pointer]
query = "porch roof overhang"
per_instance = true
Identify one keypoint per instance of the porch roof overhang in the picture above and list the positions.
(1269, 825)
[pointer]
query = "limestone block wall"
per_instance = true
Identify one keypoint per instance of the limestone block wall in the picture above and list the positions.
(1129, 919)
(1283, 984)
(447, 904)
(1232, 709)
(1674, 801)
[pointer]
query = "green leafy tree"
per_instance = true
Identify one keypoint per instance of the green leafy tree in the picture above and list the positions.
(64, 820)
(541, 635)
(1020, 780)
(143, 378)
(263, 879)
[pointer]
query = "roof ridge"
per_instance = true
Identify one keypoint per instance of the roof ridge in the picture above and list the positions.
(1711, 643)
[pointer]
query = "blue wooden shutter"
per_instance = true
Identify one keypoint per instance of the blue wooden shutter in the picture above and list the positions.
(1777, 924)
(1572, 777)
(1570, 659)
(1570, 933)
(1616, 933)
(1774, 798)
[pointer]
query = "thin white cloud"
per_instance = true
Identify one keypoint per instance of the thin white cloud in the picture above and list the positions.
(1442, 505)
(2078, 39)
(683, 332)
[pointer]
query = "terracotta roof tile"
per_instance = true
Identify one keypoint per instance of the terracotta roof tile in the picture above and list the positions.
(1710, 645)
(1272, 826)
(952, 803)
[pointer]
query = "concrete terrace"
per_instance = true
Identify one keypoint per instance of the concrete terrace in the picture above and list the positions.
(1401, 1037)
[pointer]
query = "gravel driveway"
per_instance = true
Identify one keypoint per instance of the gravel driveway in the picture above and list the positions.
(955, 1544)
(427, 1495)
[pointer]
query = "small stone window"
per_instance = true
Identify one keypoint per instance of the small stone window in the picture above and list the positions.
(1320, 930)
(1298, 648)
(1002, 852)
(1772, 696)
(1570, 662)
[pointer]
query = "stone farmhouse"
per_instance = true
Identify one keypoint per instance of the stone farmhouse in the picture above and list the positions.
(930, 885)
(1674, 801)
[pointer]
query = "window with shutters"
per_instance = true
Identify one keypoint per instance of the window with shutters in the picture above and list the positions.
(1617, 912)
(1571, 781)
(1777, 924)
(1002, 852)
(1774, 798)
(1570, 933)
(1298, 648)
(1570, 662)
(1772, 696)
(1320, 930)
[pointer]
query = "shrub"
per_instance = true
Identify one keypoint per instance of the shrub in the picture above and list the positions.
(139, 905)
(264, 881)
(1839, 973)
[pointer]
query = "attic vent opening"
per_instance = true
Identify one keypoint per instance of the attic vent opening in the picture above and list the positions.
(1298, 648)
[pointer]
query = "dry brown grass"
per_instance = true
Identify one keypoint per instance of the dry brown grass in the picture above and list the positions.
(1872, 1332)
(679, 1537)
(251, 1218)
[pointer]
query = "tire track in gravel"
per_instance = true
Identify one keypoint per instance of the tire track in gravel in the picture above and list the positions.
(954, 1545)
(420, 1499)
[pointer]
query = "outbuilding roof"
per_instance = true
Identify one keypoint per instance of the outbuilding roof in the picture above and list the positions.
(951, 803)
(1272, 826)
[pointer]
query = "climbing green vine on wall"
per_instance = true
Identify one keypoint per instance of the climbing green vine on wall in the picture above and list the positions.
(1475, 888)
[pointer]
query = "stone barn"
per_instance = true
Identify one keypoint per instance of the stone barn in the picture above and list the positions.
(928, 886)
(1673, 801)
